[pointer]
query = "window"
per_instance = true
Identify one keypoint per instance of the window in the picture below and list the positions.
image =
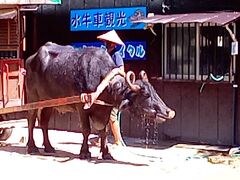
(8, 38)
(215, 51)
(196, 51)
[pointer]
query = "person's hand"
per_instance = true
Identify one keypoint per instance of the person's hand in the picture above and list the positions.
(88, 99)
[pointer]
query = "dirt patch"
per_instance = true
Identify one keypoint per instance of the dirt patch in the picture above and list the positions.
(135, 161)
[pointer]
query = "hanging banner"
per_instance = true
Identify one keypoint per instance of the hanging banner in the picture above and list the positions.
(30, 1)
(133, 50)
(107, 19)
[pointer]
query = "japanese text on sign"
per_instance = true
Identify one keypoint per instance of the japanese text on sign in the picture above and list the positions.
(106, 19)
(133, 50)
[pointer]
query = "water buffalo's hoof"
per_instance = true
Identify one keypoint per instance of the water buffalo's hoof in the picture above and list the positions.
(33, 150)
(107, 156)
(49, 150)
(85, 155)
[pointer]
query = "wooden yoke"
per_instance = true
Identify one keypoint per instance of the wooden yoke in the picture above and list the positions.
(42, 104)
(48, 103)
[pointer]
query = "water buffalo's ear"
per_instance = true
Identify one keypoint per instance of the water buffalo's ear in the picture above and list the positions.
(117, 87)
(124, 105)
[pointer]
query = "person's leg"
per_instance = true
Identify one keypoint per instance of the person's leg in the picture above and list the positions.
(114, 124)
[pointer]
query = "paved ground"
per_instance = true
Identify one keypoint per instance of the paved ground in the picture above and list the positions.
(136, 161)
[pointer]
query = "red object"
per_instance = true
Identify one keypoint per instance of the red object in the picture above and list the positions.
(6, 74)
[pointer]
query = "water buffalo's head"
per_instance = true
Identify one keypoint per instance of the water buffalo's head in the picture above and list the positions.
(143, 98)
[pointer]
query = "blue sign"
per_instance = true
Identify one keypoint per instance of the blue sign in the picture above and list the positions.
(107, 19)
(133, 50)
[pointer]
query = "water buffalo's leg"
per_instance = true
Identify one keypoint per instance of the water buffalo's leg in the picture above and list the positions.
(86, 130)
(31, 146)
(104, 148)
(45, 116)
(84, 152)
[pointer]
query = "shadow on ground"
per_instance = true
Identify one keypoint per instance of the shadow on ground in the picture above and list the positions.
(60, 155)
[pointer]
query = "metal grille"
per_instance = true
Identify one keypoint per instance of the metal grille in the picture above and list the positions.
(195, 51)
(215, 51)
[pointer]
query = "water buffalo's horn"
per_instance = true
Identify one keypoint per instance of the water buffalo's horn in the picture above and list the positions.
(130, 78)
(143, 75)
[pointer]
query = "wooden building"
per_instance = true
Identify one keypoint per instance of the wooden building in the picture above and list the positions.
(12, 37)
(13, 47)
(191, 64)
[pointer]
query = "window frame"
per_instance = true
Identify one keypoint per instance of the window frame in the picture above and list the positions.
(196, 76)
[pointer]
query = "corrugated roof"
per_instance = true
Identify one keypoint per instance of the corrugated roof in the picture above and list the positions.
(221, 18)
(30, 1)
(8, 13)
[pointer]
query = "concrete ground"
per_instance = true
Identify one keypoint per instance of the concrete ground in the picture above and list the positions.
(135, 161)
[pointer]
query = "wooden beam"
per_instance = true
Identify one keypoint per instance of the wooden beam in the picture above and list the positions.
(232, 35)
(42, 104)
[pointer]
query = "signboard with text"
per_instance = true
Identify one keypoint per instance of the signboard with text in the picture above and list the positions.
(106, 19)
(133, 50)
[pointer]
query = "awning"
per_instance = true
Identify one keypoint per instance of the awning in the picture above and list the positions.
(30, 1)
(8, 13)
(220, 18)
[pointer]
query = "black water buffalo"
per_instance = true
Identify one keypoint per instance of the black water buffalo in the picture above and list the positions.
(56, 71)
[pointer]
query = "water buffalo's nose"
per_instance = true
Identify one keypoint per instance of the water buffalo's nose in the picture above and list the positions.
(171, 114)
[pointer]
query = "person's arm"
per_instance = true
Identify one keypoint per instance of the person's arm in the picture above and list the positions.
(89, 98)
(118, 60)
(108, 78)
(122, 71)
